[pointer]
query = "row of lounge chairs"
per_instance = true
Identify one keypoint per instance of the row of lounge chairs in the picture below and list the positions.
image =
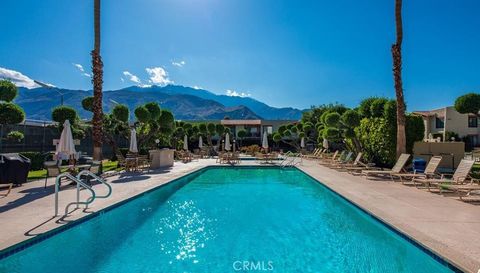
(459, 183)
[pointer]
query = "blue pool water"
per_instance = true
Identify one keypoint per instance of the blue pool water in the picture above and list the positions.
(229, 220)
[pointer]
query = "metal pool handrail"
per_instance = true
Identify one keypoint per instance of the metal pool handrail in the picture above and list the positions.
(79, 183)
(99, 179)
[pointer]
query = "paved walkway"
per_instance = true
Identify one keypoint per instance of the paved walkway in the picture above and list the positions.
(449, 227)
(446, 225)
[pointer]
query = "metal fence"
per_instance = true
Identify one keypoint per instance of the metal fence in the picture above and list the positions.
(39, 136)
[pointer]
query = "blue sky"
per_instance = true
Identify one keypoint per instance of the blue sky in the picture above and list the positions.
(285, 53)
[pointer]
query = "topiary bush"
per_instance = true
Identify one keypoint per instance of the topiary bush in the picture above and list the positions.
(87, 104)
(468, 103)
(142, 114)
(11, 113)
(8, 91)
(61, 113)
(15, 136)
(154, 110)
(121, 112)
(36, 159)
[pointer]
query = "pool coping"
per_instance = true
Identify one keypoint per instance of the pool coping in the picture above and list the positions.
(11, 250)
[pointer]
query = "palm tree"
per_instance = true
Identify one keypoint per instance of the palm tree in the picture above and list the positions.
(397, 75)
(97, 81)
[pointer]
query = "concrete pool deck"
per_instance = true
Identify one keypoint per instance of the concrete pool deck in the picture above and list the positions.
(445, 225)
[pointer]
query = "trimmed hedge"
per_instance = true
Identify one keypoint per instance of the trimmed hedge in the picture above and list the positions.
(37, 159)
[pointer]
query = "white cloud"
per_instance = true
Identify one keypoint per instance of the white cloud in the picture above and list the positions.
(197, 87)
(158, 76)
(233, 93)
(179, 64)
(122, 79)
(132, 77)
(17, 78)
(82, 70)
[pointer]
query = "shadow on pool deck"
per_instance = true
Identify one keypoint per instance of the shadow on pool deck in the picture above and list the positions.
(30, 195)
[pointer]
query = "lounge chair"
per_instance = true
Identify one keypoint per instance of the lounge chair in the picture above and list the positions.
(53, 170)
(430, 171)
(330, 160)
(397, 168)
(465, 190)
(341, 160)
(345, 165)
(316, 153)
(460, 176)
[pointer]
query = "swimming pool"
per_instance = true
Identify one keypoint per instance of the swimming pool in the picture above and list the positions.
(229, 219)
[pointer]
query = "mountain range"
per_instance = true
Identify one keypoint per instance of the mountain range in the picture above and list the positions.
(186, 103)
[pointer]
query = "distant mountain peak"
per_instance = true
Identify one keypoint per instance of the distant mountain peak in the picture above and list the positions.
(186, 103)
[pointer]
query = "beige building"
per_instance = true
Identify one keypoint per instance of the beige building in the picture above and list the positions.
(255, 127)
(447, 119)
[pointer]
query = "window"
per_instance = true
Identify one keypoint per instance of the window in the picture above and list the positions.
(472, 122)
(439, 124)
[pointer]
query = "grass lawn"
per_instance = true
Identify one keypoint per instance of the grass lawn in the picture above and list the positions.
(107, 166)
(476, 171)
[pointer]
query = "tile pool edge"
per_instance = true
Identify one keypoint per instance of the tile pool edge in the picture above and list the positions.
(404, 234)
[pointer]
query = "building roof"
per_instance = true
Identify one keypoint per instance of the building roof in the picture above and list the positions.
(241, 122)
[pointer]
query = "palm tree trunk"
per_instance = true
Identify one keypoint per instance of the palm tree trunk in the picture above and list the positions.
(397, 75)
(97, 80)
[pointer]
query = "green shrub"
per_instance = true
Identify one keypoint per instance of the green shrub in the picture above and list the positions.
(332, 119)
(15, 136)
(37, 159)
(87, 104)
(120, 112)
(62, 113)
(414, 130)
(351, 118)
(142, 114)
(377, 107)
(377, 141)
(154, 110)
(365, 106)
(11, 113)
(468, 103)
(8, 91)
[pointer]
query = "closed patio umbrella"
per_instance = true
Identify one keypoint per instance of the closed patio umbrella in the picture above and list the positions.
(66, 146)
(200, 142)
(133, 142)
(302, 142)
(325, 143)
(227, 142)
(185, 143)
(265, 141)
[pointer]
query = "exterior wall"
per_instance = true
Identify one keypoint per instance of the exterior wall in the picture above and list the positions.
(453, 122)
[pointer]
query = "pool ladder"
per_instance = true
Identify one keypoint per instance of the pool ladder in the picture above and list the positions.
(290, 160)
(80, 184)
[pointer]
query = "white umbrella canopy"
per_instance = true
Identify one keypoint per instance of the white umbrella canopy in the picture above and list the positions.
(185, 143)
(66, 146)
(227, 142)
(325, 143)
(302, 142)
(265, 141)
(200, 142)
(133, 141)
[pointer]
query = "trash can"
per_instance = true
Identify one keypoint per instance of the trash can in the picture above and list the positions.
(419, 165)
(14, 168)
